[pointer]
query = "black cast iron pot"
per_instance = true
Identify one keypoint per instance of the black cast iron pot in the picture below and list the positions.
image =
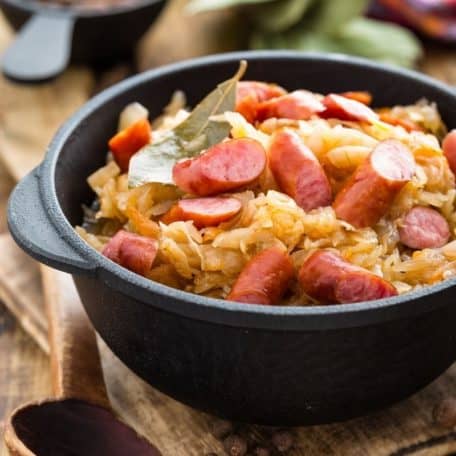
(51, 35)
(263, 364)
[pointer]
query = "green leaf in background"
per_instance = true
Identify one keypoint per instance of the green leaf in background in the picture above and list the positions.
(199, 6)
(368, 38)
(154, 163)
(322, 26)
(301, 39)
(380, 41)
(328, 16)
(280, 15)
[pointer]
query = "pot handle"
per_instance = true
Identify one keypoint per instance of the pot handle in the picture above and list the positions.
(33, 231)
(42, 49)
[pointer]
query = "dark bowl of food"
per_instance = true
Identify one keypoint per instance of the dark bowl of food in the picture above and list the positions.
(54, 32)
(283, 254)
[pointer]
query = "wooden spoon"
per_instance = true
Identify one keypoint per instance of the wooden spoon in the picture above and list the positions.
(79, 421)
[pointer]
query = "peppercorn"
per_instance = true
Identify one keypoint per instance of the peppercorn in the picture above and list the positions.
(445, 413)
(221, 428)
(282, 440)
(235, 445)
(261, 451)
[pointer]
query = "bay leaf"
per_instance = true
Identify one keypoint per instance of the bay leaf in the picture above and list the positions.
(221, 99)
(154, 162)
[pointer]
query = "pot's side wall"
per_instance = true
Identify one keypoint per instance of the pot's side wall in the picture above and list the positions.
(272, 377)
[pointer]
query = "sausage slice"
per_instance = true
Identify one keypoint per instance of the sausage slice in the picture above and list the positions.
(204, 212)
(362, 96)
(424, 228)
(134, 252)
(264, 279)
(298, 105)
(250, 93)
(370, 191)
(226, 166)
(328, 278)
(344, 108)
(297, 171)
(449, 149)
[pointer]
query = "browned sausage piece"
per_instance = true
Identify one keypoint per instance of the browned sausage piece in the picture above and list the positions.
(362, 96)
(328, 278)
(341, 107)
(226, 166)
(299, 105)
(297, 172)
(249, 94)
(424, 228)
(264, 279)
(449, 149)
(371, 190)
(134, 252)
(204, 212)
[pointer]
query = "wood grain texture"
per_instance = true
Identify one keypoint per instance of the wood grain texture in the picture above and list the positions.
(24, 369)
(6, 184)
(30, 115)
(20, 290)
(75, 361)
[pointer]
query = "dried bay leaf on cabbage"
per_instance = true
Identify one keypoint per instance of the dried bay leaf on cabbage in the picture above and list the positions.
(154, 162)
(198, 6)
(280, 15)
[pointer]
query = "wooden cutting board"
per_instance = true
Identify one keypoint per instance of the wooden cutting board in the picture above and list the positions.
(28, 118)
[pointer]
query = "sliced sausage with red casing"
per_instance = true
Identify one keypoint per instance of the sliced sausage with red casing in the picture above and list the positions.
(343, 108)
(134, 252)
(368, 194)
(224, 167)
(297, 171)
(362, 96)
(449, 149)
(204, 212)
(298, 105)
(424, 228)
(250, 93)
(264, 279)
(330, 279)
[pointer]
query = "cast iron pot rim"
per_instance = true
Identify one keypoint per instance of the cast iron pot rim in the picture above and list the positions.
(218, 310)
(35, 7)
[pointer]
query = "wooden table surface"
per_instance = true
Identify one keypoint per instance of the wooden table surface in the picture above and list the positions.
(24, 368)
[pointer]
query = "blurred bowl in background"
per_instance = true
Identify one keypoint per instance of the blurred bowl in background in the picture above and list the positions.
(51, 35)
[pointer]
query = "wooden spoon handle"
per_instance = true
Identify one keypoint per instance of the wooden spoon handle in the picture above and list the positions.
(75, 360)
